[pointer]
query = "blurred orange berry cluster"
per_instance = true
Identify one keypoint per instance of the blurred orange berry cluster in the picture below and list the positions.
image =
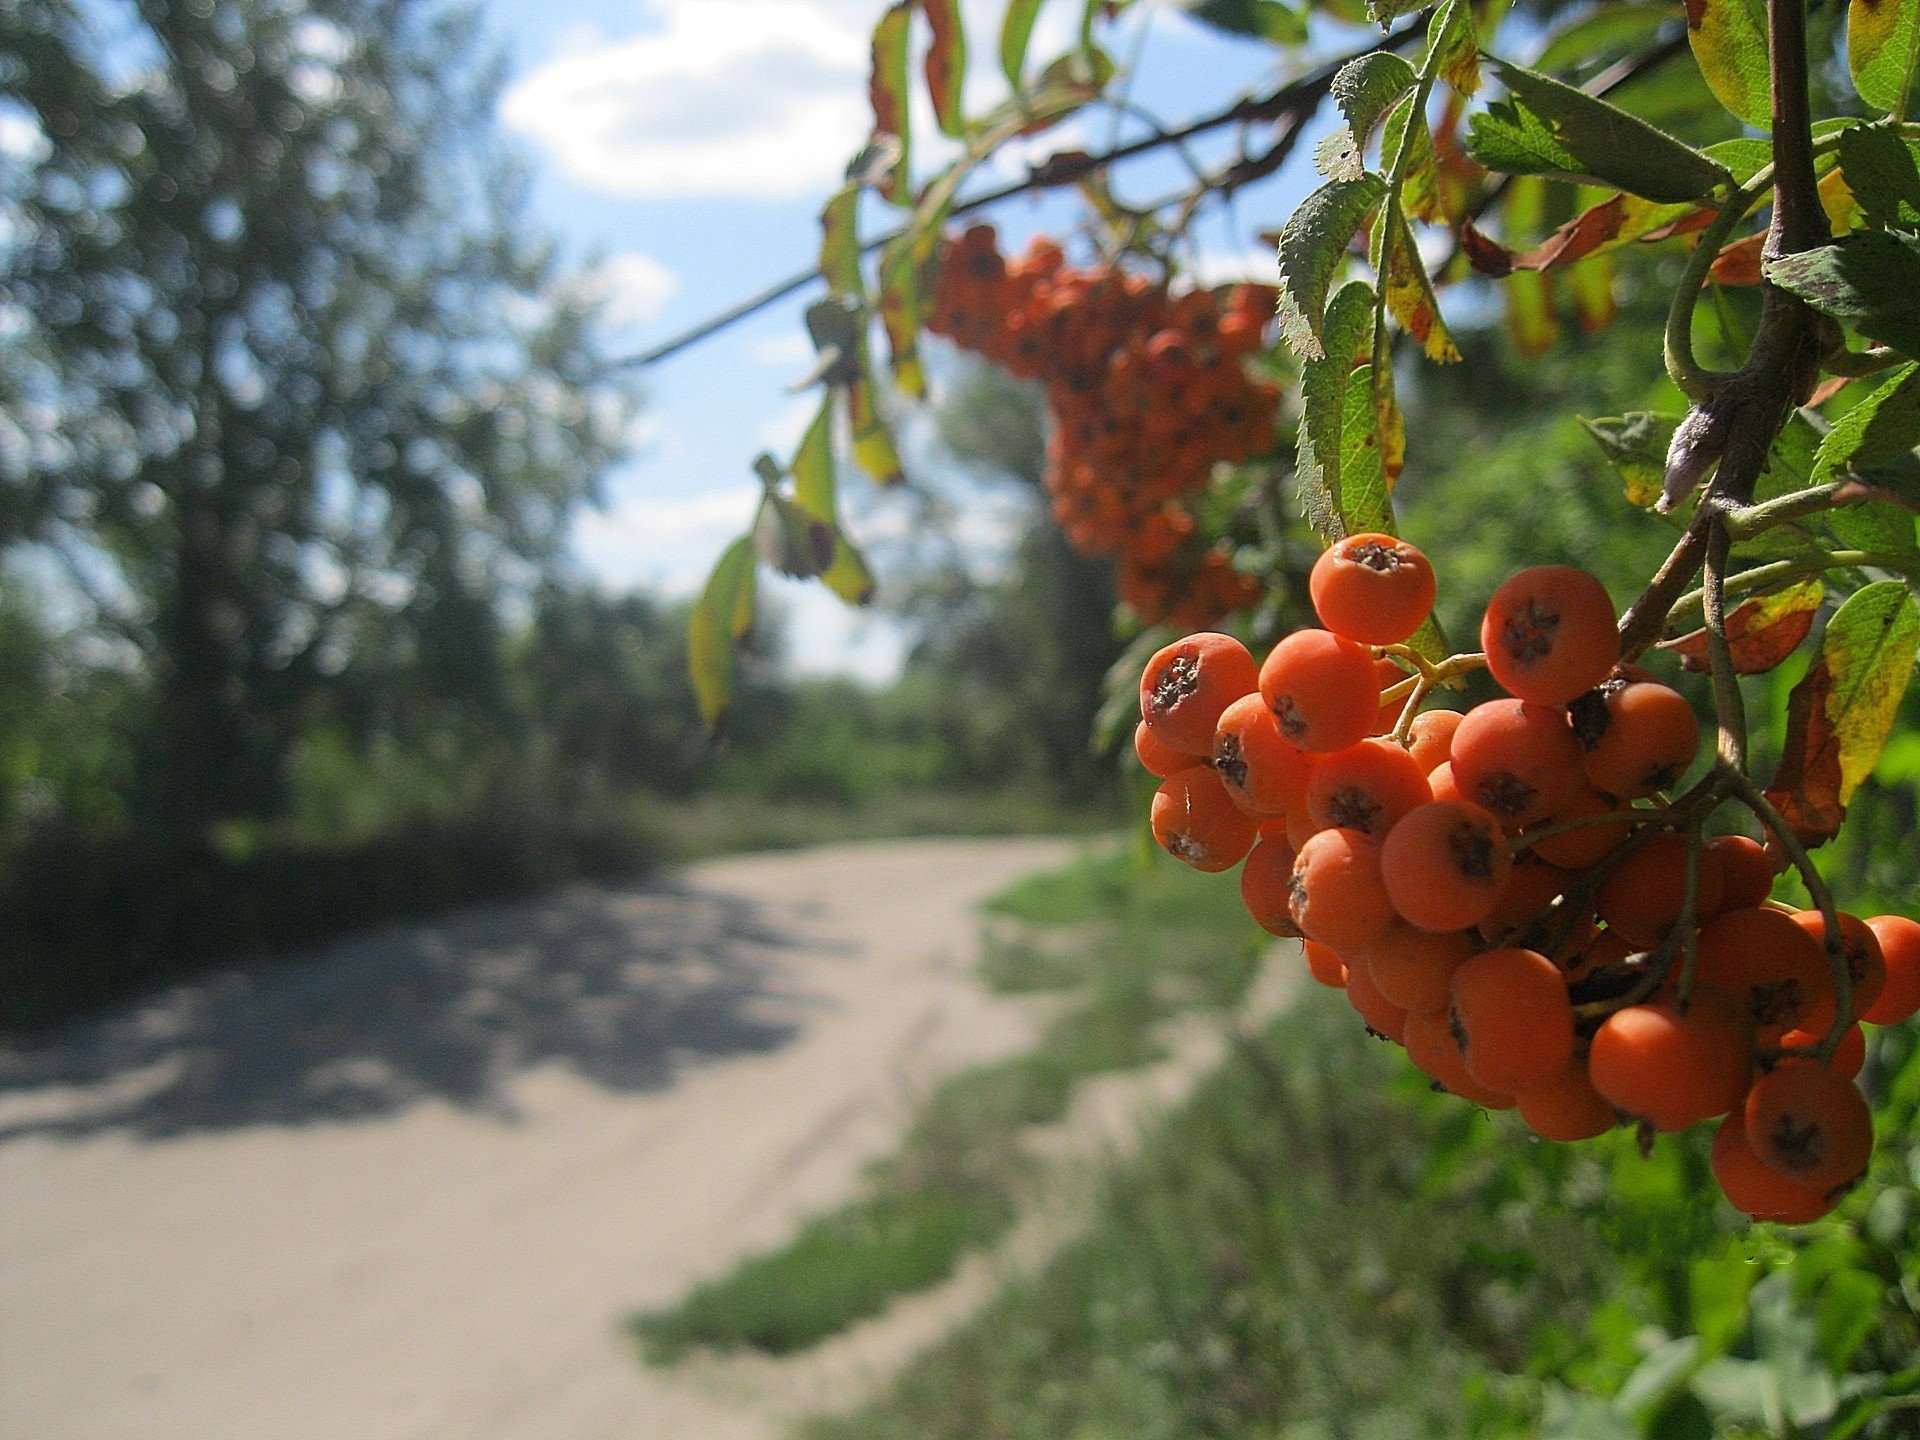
(1148, 391)
(1503, 892)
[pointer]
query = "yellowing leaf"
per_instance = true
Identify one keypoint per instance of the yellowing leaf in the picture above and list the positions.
(1883, 45)
(1761, 632)
(720, 617)
(946, 64)
(1729, 39)
(887, 92)
(1410, 294)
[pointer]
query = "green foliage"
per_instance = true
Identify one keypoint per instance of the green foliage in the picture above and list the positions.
(1867, 279)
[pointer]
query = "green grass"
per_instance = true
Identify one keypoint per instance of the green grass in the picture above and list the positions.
(956, 1182)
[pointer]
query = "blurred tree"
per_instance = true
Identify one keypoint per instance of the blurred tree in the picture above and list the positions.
(286, 372)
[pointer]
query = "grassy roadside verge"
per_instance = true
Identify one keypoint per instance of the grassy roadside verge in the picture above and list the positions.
(1169, 941)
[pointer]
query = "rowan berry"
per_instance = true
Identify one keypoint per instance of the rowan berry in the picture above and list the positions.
(1602, 825)
(1434, 1045)
(1771, 966)
(1567, 1107)
(1266, 882)
(1375, 589)
(1440, 780)
(1866, 964)
(1414, 968)
(1754, 1187)
(1322, 689)
(1672, 1069)
(1159, 758)
(1189, 683)
(1899, 998)
(1849, 1056)
(1811, 1126)
(1639, 738)
(1747, 868)
(1516, 759)
(1532, 886)
(1383, 1017)
(1324, 964)
(1444, 865)
(1430, 739)
(1264, 774)
(1337, 895)
(1366, 787)
(1196, 821)
(1549, 634)
(1510, 1009)
(1643, 897)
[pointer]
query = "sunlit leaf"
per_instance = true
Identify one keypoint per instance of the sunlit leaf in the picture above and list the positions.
(1881, 429)
(900, 312)
(1313, 243)
(814, 478)
(1636, 445)
(946, 64)
(840, 243)
(887, 91)
(1761, 632)
(1363, 477)
(1839, 715)
(1868, 279)
(1365, 89)
(1544, 127)
(1729, 39)
(721, 616)
(1323, 386)
(1016, 32)
(1455, 46)
(1409, 291)
(1883, 46)
(1422, 193)
(873, 447)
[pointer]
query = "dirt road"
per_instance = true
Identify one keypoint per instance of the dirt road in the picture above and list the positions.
(405, 1190)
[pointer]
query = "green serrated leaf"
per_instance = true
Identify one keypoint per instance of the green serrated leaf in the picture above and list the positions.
(1420, 192)
(1362, 496)
(1883, 46)
(1882, 428)
(1729, 39)
(1455, 46)
(1365, 89)
(1410, 294)
(1546, 128)
(887, 92)
(1313, 243)
(720, 617)
(1867, 279)
(1016, 32)
(946, 64)
(1635, 444)
(1882, 175)
(1323, 389)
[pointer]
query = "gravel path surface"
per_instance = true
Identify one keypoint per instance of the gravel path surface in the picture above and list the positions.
(405, 1190)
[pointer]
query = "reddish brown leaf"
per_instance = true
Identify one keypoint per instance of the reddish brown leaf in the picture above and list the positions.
(1487, 255)
(1685, 225)
(1739, 263)
(1580, 236)
(1761, 632)
(1806, 788)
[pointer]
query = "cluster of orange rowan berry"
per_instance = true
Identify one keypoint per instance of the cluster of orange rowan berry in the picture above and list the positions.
(1495, 893)
(1148, 390)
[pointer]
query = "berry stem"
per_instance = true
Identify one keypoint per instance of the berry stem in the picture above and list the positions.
(1764, 577)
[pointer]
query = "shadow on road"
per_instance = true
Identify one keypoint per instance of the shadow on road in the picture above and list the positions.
(623, 986)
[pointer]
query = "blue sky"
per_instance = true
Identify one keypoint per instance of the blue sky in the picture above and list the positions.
(689, 144)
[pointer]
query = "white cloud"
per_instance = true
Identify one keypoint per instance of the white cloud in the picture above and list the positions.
(826, 636)
(790, 349)
(1224, 267)
(663, 543)
(633, 288)
(760, 98)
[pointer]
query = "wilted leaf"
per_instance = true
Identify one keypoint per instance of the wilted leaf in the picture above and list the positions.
(1531, 323)
(1868, 279)
(887, 90)
(1546, 128)
(1365, 89)
(1738, 265)
(1456, 46)
(1883, 45)
(946, 64)
(1839, 715)
(900, 312)
(814, 481)
(1613, 222)
(873, 447)
(1729, 39)
(1016, 31)
(1410, 292)
(1636, 445)
(1761, 632)
(721, 616)
(1312, 244)
(790, 540)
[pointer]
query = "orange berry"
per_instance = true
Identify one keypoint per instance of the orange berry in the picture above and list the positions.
(1263, 773)
(1590, 843)
(1161, 759)
(1643, 897)
(1511, 1007)
(1639, 737)
(1383, 1017)
(1196, 821)
(1430, 740)
(1413, 968)
(1435, 1048)
(1266, 882)
(1337, 896)
(1515, 759)
(1669, 1069)
(1366, 787)
(1440, 780)
(1771, 966)
(1189, 683)
(1754, 1187)
(1567, 1107)
(1532, 885)
(1601, 952)
(1899, 999)
(1747, 868)
(1372, 588)
(1444, 865)
(1324, 965)
(1322, 688)
(1549, 634)
(1865, 961)
(1811, 1126)
(1849, 1056)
